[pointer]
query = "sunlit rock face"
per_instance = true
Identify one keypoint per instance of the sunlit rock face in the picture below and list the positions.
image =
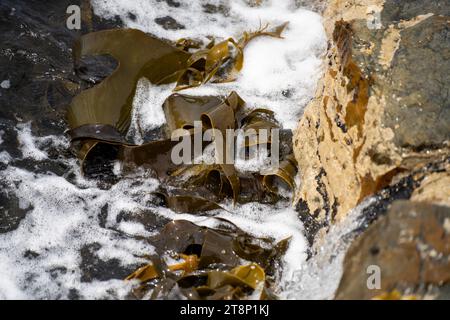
(381, 109)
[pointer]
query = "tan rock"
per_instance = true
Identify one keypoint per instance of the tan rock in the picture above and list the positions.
(370, 119)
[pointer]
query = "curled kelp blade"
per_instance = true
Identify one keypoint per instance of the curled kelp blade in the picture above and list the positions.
(256, 129)
(138, 55)
(218, 115)
(97, 159)
(211, 246)
(225, 245)
(252, 190)
(211, 267)
(206, 178)
(150, 271)
(285, 174)
(210, 178)
(202, 66)
(103, 132)
(154, 155)
(184, 202)
(221, 62)
(239, 283)
(182, 110)
(259, 119)
(260, 250)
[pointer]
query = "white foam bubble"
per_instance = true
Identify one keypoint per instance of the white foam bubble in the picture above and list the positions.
(30, 145)
(63, 217)
(258, 162)
(5, 84)
(5, 157)
(27, 143)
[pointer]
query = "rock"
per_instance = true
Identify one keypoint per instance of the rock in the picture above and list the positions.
(313, 5)
(216, 9)
(11, 212)
(36, 60)
(94, 268)
(169, 23)
(410, 245)
(415, 186)
(381, 110)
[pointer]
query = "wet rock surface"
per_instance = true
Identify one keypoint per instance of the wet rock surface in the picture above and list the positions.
(411, 247)
(36, 59)
(378, 126)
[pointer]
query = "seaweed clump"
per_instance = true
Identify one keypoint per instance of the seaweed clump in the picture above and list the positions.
(209, 263)
(212, 263)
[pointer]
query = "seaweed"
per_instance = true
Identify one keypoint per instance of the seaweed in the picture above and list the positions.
(212, 265)
(220, 62)
(284, 176)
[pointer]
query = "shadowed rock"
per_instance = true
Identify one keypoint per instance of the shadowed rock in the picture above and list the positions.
(410, 245)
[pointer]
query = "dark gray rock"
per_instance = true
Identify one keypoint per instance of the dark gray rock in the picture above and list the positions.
(94, 268)
(418, 86)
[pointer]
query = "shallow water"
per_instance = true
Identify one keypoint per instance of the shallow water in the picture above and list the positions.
(63, 236)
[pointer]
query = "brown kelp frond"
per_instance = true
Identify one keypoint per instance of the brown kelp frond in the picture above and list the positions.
(220, 180)
(138, 55)
(221, 62)
(211, 266)
(187, 201)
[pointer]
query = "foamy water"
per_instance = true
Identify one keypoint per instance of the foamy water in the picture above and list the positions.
(278, 74)
(67, 214)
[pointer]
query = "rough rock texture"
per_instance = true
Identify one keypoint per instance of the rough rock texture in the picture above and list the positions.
(410, 245)
(382, 108)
